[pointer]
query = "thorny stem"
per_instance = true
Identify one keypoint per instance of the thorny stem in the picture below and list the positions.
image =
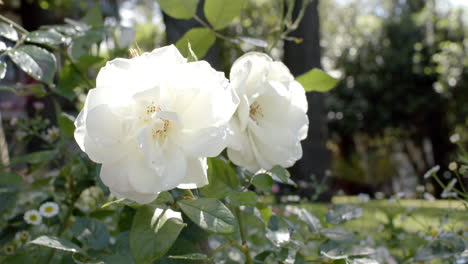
(244, 248)
(289, 27)
(203, 23)
(14, 24)
(444, 186)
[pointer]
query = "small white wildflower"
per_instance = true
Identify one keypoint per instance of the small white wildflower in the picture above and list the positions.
(453, 166)
(431, 171)
(33, 217)
(363, 197)
(49, 209)
(9, 249)
(22, 237)
(448, 190)
(455, 138)
(379, 195)
(38, 106)
(429, 197)
(52, 134)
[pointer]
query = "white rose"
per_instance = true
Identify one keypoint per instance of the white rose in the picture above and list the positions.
(271, 118)
(152, 120)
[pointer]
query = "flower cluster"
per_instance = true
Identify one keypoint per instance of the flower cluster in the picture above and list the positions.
(47, 210)
(153, 120)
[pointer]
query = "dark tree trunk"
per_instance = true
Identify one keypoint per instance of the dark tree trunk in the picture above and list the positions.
(176, 28)
(300, 58)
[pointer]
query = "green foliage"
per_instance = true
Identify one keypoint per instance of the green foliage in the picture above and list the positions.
(221, 12)
(317, 80)
(222, 178)
(182, 9)
(91, 232)
(341, 213)
(46, 37)
(194, 256)
(10, 178)
(36, 62)
(445, 246)
(57, 243)
(247, 198)
(210, 214)
(8, 32)
(200, 39)
(152, 234)
(263, 182)
(36, 157)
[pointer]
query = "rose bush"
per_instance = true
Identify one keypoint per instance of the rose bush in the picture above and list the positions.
(152, 120)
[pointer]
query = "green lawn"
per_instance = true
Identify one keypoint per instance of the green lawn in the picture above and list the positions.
(410, 214)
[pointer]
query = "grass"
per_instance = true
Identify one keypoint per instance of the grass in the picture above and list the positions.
(411, 215)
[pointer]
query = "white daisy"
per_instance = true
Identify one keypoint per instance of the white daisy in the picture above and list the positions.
(33, 217)
(49, 209)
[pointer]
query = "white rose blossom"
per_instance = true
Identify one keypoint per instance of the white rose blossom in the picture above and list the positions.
(152, 120)
(271, 119)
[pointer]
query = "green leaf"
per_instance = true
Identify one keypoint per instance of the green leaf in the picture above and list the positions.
(313, 223)
(3, 46)
(281, 175)
(317, 80)
(81, 45)
(210, 214)
(7, 31)
(181, 9)
(247, 198)
(261, 257)
(65, 122)
(10, 178)
(339, 250)
(265, 212)
(362, 261)
(48, 37)
(18, 259)
(263, 182)
(337, 233)
(93, 16)
(36, 157)
(68, 80)
(193, 256)
(445, 246)
(164, 198)
(121, 251)
(343, 212)
(3, 68)
(91, 232)
(19, 89)
(221, 177)
(201, 39)
(36, 62)
(57, 243)
(153, 232)
(221, 12)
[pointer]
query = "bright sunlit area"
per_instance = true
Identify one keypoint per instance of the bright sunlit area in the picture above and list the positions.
(234, 131)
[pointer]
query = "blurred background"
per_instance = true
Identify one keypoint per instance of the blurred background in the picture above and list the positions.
(400, 105)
